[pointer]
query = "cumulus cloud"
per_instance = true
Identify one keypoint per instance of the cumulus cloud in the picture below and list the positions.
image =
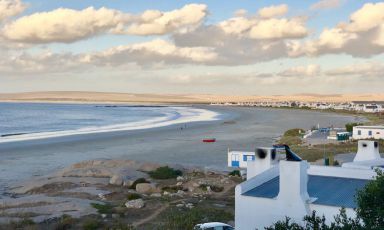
(298, 71)
(270, 28)
(62, 25)
(273, 11)
(368, 17)
(9, 8)
(68, 25)
(153, 22)
(362, 36)
(245, 39)
(326, 4)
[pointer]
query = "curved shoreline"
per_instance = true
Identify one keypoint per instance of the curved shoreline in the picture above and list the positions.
(242, 129)
(183, 115)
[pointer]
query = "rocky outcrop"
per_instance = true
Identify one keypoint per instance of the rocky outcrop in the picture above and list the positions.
(146, 188)
(138, 203)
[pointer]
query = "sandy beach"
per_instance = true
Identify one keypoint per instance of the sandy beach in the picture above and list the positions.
(240, 128)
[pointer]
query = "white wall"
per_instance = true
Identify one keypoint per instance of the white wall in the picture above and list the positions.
(377, 133)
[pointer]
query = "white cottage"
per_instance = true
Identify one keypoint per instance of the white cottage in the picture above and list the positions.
(368, 132)
(294, 188)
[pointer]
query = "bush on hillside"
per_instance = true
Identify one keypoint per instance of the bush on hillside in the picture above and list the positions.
(165, 173)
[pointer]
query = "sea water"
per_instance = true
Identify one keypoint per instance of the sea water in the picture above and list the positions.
(26, 121)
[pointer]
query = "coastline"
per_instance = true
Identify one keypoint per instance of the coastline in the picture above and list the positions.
(241, 129)
(172, 116)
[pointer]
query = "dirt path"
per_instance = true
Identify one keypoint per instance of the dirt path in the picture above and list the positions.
(150, 217)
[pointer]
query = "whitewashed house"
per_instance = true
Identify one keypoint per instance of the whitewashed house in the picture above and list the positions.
(371, 108)
(293, 188)
(240, 159)
(367, 156)
(368, 132)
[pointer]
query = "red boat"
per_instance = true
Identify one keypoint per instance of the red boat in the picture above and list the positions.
(209, 140)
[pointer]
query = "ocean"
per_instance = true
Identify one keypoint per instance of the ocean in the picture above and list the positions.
(26, 121)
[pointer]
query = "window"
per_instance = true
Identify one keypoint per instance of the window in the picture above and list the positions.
(248, 158)
(369, 133)
(359, 132)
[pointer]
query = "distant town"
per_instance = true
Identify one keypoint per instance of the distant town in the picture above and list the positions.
(358, 106)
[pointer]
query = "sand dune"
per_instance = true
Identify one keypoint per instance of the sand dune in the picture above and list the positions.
(89, 97)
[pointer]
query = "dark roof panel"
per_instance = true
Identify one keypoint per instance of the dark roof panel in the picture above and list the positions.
(332, 191)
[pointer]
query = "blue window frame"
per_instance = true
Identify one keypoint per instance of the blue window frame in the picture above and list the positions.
(248, 158)
(370, 133)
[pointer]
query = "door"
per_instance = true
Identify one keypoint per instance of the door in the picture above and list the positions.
(235, 160)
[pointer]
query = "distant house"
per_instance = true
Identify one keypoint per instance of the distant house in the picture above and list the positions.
(239, 159)
(368, 132)
(293, 188)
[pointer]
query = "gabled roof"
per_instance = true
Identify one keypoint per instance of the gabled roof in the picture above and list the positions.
(330, 191)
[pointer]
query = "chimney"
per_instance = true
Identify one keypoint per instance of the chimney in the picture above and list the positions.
(367, 150)
(265, 158)
(293, 193)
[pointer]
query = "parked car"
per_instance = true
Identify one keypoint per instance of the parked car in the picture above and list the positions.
(213, 226)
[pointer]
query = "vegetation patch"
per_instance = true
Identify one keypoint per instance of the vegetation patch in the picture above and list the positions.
(165, 173)
(102, 208)
(175, 219)
(235, 173)
(133, 196)
(92, 224)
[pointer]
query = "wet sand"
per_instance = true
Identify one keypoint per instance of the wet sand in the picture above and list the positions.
(241, 128)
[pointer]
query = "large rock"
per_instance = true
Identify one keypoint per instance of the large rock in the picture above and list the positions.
(145, 188)
(116, 180)
(138, 203)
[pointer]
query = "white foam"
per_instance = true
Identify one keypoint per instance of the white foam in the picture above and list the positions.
(185, 115)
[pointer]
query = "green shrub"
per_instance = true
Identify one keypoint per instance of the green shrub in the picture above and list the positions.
(349, 126)
(235, 173)
(294, 133)
(133, 196)
(65, 222)
(102, 208)
(165, 173)
(92, 224)
(138, 181)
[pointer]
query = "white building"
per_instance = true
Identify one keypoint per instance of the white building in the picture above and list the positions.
(239, 159)
(368, 132)
(367, 156)
(294, 188)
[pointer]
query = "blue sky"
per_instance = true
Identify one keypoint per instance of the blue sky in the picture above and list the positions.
(320, 46)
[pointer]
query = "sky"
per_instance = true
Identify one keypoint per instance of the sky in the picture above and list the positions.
(244, 47)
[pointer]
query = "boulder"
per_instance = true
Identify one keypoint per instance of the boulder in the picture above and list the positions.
(145, 188)
(138, 203)
(116, 180)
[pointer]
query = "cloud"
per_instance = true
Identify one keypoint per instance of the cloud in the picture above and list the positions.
(149, 53)
(68, 25)
(245, 39)
(154, 22)
(273, 11)
(62, 25)
(9, 8)
(265, 28)
(372, 69)
(326, 4)
(298, 71)
(362, 36)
